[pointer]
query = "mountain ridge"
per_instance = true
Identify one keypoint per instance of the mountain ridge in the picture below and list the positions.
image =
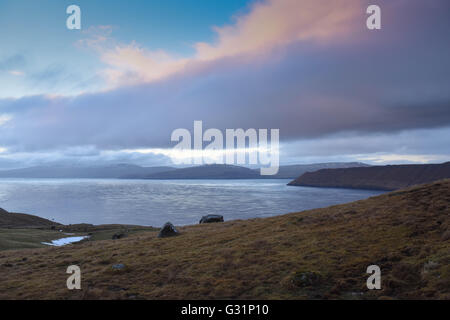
(223, 171)
(391, 177)
(131, 171)
(82, 172)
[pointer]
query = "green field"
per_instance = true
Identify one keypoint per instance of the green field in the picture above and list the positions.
(27, 238)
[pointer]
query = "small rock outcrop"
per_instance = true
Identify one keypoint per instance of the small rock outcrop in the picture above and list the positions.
(117, 236)
(306, 279)
(168, 230)
(119, 266)
(211, 218)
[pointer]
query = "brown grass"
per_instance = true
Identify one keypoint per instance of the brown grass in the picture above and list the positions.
(405, 233)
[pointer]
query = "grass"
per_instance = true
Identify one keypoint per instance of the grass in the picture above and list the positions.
(12, 239)
(26, 238)
(316, 254)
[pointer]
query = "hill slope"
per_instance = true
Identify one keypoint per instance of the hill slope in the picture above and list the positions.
(318, 254)
(20, 220)
(378, 177)
(66, 172)
(296, 170)
(220, 171)
(213, 171)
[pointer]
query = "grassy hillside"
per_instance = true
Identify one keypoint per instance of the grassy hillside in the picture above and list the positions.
(20, 220)
(22, 231)
(316, 254)
(378, 178)
(11, 239)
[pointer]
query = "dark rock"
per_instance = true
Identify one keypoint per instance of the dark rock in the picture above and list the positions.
(116, 288)
(410, 251)
(117, 236)
(119, 266)
(306, 279)
(168, 230)
(211, 218)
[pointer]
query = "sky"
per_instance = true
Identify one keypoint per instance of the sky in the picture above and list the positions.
(114, 91)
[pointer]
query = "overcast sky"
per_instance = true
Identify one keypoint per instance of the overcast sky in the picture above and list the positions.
(114, 91)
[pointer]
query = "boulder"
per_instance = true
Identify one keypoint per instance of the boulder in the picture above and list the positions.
(211, 218)
(119, 266)
(306, 279)
(117, 236)
(168, 230)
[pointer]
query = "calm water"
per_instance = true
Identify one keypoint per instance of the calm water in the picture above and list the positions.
(152, 202)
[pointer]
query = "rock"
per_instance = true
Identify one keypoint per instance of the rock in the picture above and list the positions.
(3, 211)
(168, 230)
(306, 279)
(118, 236)
(429, 266)
(119, 266)
(211, 218)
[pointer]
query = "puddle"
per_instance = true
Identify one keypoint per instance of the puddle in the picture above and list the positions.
(64, 241)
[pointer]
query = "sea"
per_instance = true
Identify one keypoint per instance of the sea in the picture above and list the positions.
(155, 202)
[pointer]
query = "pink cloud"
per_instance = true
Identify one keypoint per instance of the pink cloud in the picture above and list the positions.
(268, 25)
(279, 22)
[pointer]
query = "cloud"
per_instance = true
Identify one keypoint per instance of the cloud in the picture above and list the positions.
(4, 118)
(132, 64)
(315, 78)
(408, 145)
(12, 62)
(275, 23)
(404, 158)
(78, 156)
(17, 73)
(268, 25)
(13, 65)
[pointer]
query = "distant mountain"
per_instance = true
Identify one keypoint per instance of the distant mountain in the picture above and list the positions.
(100, 172)
(129, 171)
(378, 177)
(222, 171)
(213, 171)
(294, 171)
